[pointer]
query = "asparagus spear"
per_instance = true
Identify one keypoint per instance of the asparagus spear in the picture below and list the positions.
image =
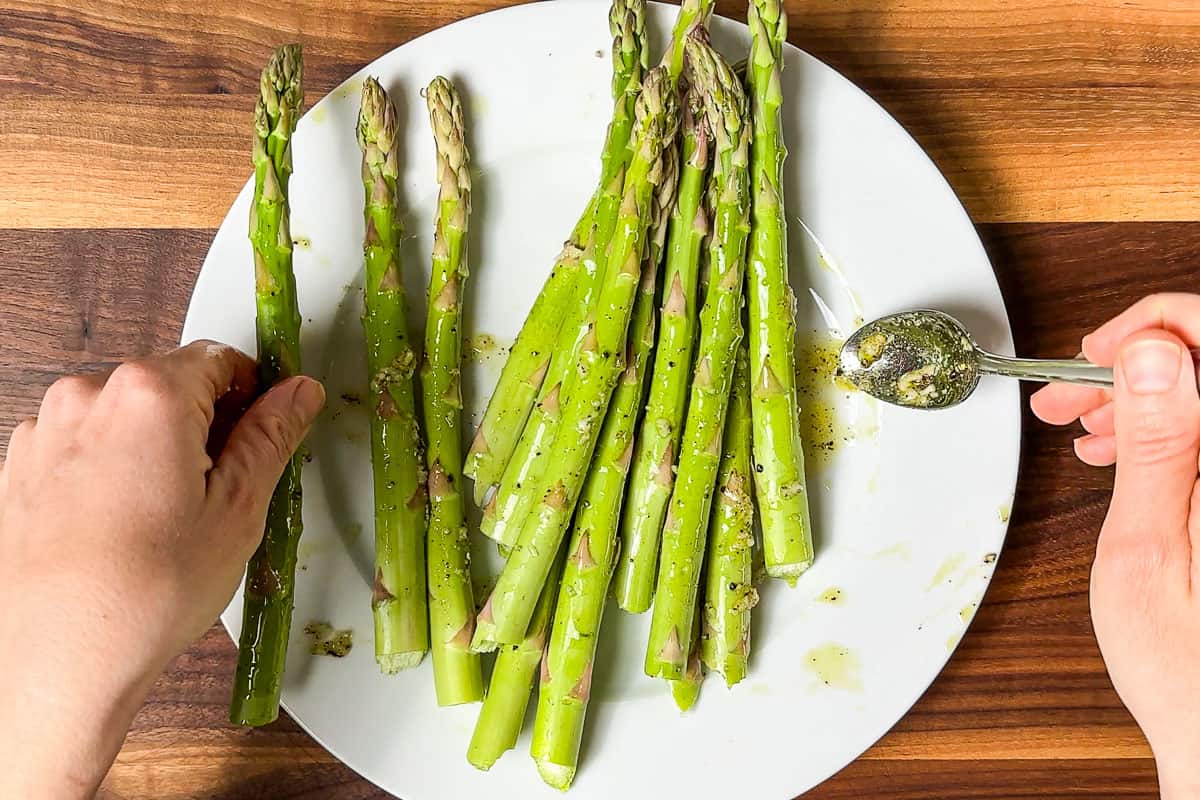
(525, 370)
(506, 614)
(398, 603)
(271, 572)
(658, 440)
(693, 14)
(456, 674)
(516, 668)
(729, 593)
(517, 494)
(563, 697)
(778, 451)
(720, 333)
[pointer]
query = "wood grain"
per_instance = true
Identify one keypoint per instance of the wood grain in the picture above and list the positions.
(217, 47)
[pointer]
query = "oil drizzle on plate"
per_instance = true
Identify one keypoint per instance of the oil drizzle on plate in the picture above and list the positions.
(836, 666)
(833, 596)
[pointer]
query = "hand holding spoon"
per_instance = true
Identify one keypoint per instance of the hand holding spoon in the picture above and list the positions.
(927, 359)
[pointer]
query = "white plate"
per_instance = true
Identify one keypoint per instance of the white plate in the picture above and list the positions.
(908, 515)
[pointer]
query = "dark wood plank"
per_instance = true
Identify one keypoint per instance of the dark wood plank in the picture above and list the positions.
(991, 778)
(1027, 687)
(81, 301)
(203, 47)
(214, 47)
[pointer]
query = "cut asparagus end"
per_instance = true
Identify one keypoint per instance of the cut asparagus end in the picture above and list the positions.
(254, 711)
(484, 640)
(559, 776)
(685, 693)
(391, 663)
(482, 761)
(789, 572)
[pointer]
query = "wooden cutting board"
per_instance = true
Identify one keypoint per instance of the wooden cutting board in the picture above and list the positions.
(1070, 129)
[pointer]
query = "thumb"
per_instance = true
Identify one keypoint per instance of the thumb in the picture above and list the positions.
(261, 444)
(1157, 421)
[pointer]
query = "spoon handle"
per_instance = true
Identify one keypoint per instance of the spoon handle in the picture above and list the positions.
(1045, 370)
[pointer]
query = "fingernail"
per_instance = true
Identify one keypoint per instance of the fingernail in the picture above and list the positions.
(308, 399)
(1151, 366)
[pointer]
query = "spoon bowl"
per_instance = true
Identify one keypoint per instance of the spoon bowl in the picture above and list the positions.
(918, 359)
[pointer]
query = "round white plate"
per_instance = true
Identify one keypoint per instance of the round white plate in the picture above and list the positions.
(909, 514)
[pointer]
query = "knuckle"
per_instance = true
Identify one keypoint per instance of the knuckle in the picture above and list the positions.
(20, 437)
(66, 393)
(1158, 438)
(1130, 560)
(142, 382)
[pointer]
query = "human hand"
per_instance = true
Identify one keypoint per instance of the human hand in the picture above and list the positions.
(128, 510)
(1145, 589)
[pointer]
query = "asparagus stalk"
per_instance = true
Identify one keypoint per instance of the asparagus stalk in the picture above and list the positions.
(506, 614)
(270, 574)
(686, 690)
(720, 333)
(693, 14)
(517, 493)
(563, 697)
(516, 668)
(778, 450)
(729, 592)
(654, 460)
(399, 603)
(529, 359)
(456, 673)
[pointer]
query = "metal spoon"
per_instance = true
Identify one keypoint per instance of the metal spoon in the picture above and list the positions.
(927, 359)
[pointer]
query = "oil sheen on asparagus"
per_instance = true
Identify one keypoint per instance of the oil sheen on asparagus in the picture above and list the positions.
(271, 572)
(398, 600)
(456, 671)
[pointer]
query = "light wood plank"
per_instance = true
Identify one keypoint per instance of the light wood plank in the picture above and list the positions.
(1012, 155)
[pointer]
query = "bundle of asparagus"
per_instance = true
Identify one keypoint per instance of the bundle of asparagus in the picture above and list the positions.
(652, 378)
(565, 432)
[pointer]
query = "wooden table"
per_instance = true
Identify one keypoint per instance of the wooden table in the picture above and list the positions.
(1070, 129)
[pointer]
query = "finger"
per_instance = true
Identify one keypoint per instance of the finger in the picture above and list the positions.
(206, 370)
(1157, 417)
(1194, 533)
(1177, 313)
(21, 438)
(1101, 421)
(69, 399)
(18, 442)
(1096, 451)
(1062, 404)
(260, 446)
